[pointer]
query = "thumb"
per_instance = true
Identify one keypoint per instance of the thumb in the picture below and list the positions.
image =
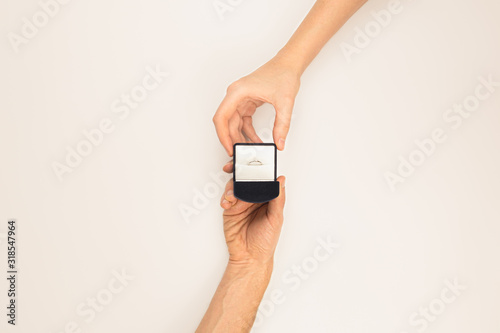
(282, 123)
(276, 206)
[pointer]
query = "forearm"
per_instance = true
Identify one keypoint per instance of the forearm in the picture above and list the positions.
(324, 19)
(236, 301)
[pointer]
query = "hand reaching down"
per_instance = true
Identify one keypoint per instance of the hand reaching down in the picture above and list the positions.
(275, 83)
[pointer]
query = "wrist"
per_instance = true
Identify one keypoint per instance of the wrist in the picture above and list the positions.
(290, 61)
(251, 267)
(251, 280)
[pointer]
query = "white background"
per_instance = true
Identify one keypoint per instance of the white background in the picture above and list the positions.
(121, 207)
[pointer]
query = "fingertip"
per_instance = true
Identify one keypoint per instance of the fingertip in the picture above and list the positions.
(279, 136)
(229, 196)
(229, 148)
(282, 180)
(281, 128)
(225, 204)
(281, 144)
(228, 167)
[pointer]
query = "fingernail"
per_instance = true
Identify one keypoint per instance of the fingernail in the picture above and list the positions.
(229, 193)
(281, 143)
(283, 183)
(224, 201)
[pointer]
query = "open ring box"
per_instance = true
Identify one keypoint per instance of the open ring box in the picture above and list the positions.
(254, 172)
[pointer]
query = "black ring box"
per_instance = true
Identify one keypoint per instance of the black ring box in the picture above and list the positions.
(256, 190)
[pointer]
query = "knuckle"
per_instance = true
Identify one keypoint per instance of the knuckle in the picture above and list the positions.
(230, 87)
(288, 99)
(234, 86)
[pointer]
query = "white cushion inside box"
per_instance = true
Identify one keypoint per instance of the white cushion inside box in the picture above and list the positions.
(254, 163)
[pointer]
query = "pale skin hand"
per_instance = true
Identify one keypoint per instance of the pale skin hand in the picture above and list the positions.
(277, 82)
(252, 232)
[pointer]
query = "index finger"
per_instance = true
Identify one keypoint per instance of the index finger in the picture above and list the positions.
(221, 121)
